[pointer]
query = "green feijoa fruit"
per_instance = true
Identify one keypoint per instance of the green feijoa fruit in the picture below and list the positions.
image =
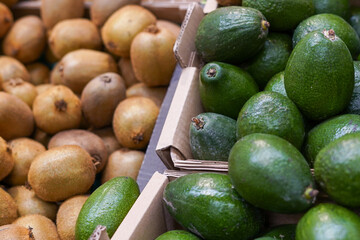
(283, 14)
(282, 232)
(337, 169)
(276, 84)
(354, 105)
(337, 7)
(270, 173)
(329, 21)
(225, 88)
(208, 205)
(328, 221)
(212, 136)
(177, 235)
(272, 113)
(107, 206)
(355, 19)
(314, 79)
(271, 59)
(231, 34)
(328, 131)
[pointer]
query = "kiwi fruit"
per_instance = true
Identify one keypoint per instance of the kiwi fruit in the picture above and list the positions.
(39, 73)
(100, 98)
(57, 109)
(11, 68)
(9, 3)
(123, 162)
(152, 56)
(229, 2)
(41, 136)
(54, 11)
(49, 55)
(73, 34)
(42, 227)
(43, 87)
(6, 19)
(26, 39)
(78, 67)
(61, 172)
(23, 151)
(109, 139)
(89, 141)
(16, 232)
(127, 72)
(156, 94)
(8, 208)
(122, 26)
(21, 89)
(55, 75)
(16, 118)
(134, 120)
(6, 160)
(28, 203)
(67, 216)
(172, 27)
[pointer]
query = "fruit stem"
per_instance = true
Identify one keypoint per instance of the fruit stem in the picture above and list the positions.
(199, 123)
(211, 72)
(152, 29)
(265, 25)
(310, 193)
(61, 105)
(106, 79)
(31, 234)
(138, 138)
(329, 34)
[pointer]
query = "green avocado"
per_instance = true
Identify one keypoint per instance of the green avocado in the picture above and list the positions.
(283, 14)
(354, 105)
(272, 113)
(329, 21)
(231, 34)
(282, 232)
(276, 84)
(208, 205)
(328, 221)
(225, 88)
(270, 173)
(107, 206)
(271, 59)
(315, 80)
(328, 131)
(337, 169)
(212, 136)
(337, 7)
(177, 235)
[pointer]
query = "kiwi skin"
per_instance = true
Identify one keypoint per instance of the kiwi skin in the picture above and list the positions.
(6, 19)
(8, 208)
(110, 141)
(16, 232)
(21, 89)
(6, 160)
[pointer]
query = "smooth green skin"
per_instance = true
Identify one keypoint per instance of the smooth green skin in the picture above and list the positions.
(227, 91)
(208, 205)
(276, 84)
(328, 221)
(271, 59)
(282, 232)
(337, 7)
(337, 170)
(328, 131)
(272, 113)
(314, 79)
(354, 105)
(270, 173)
(230, 34)
(215, 139)
(107, 206)
(283, 14)
(329, 21)
(355, 20)
(177, 235)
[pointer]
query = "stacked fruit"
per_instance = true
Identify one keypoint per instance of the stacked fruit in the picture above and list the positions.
(86, 122)
(276, 106)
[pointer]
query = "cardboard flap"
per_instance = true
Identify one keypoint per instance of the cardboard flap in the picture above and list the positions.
(99, 233)
(210, 6)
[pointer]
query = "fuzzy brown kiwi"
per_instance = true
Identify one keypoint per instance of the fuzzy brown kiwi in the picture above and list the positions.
(26, 39)
(156, 94)
(21, 89)
(127, 72)
(57, 109)
(49, 55)
(6, 19)
(11, 68)
(28, 203)
(41, 136)
(73, 34)
(61, 172)
(8, 208)
(23, 151)
(100, 98)
(40, 73)
(134, 121)
(42, 227)
(16, 118)
(229, 2)
(43, 87)
(6, 160)
(172, 27)
(123, 162)
(54, 11)
(9, 3)
(87, 140)
(55, 74)
(16, 232)
(109, 139)
(67, 215)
